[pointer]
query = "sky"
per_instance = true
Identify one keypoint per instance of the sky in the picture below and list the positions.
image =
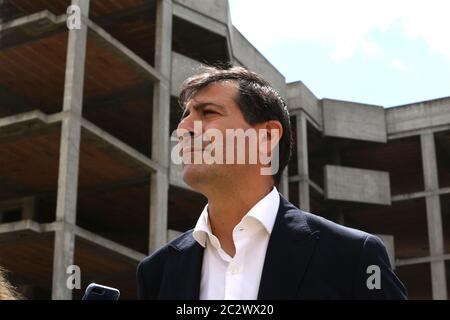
(380, 52)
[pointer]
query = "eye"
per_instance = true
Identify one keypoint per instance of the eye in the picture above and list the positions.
(207, 112)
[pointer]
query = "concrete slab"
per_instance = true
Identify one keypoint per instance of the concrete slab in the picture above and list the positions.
(300, 97)
(247, 55)
(357, 185)
(356, 121)
(215, 9)
(422, 115)
(182, 68)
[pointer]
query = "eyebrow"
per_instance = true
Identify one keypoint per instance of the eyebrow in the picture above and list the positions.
(200, 106)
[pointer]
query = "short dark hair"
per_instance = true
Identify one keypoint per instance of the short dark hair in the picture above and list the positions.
(7, 291)
(257, 100)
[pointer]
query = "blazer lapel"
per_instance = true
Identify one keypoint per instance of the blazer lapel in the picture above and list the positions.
(290, 248)
(185, 266)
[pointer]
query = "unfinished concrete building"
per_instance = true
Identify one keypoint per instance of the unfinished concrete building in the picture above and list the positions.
(85, 122)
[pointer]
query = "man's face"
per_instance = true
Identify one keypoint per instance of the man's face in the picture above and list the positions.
(215, 107)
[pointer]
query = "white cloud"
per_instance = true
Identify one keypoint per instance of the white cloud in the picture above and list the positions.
(399, 65)
(370, 49)
(344, 24)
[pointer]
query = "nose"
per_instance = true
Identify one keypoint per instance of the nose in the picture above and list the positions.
(185, 127)
(187, 123)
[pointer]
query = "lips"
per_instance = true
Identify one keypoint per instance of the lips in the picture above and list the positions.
(192, 146)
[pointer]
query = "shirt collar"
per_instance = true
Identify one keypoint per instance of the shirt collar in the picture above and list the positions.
(264, 211)
(202, 228)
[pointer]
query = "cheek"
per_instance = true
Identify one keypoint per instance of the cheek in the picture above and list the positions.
(216, 124)
(235, 123)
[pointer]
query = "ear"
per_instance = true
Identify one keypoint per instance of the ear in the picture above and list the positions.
(271, 133)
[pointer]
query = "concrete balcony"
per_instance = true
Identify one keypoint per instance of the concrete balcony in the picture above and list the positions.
(354, 121)
(357, 185)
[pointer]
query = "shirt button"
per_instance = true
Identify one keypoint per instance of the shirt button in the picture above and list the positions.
(234, 270)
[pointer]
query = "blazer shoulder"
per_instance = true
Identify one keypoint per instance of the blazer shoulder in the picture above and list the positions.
(330, 229)
(340, 239)
(299, 221)
(151, 272)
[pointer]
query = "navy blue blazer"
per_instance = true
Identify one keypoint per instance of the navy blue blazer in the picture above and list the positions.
(308, 257)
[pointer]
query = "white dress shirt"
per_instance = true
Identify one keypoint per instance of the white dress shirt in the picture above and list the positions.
(227, 278)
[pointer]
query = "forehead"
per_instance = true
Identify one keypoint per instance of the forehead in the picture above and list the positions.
(217, 92)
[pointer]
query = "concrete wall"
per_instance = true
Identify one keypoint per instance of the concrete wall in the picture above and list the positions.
(247, 55)
(182, 68)
(353, 121)
(418, 116)
(195, 14)
(388, 241)
(216, 9)
(357, 185)
(300, 97)
(214, 16)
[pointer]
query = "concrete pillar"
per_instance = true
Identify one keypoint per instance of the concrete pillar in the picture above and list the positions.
(434, 218)
(161, 124)
(388, 241)
(336, 159)
(63, 255)
(302, 161)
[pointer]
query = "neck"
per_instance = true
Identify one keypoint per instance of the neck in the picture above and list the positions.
(227, 207)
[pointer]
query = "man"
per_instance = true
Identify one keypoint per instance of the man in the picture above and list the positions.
(7, 291)
(249, 241)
